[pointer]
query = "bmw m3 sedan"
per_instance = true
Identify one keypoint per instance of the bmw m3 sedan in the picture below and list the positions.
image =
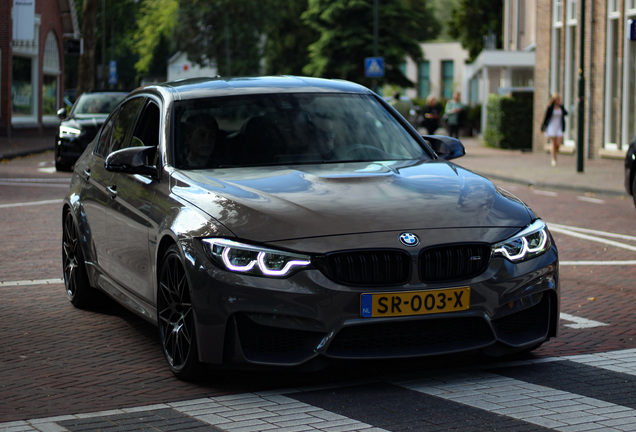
(290, 221)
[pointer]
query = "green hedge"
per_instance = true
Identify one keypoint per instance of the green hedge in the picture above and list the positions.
(509, 121)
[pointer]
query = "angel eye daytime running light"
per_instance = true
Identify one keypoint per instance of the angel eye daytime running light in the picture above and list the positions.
(273, 272)
(230, 263)
(244, 258)
(530, 242)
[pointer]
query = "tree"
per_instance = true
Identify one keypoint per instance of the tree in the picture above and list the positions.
(229, 32)
(346, 37)
(287, 38)
(471, 20)
(86, 72)
(155, 28)
(108, 30)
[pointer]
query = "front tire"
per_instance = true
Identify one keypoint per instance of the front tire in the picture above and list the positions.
(176, 317)
(62, 164)
(78, 288)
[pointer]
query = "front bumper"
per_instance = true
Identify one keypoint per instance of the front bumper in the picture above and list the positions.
(70, 148)
(292, 321)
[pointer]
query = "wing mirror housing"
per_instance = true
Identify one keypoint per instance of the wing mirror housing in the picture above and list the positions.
(446, 147)
(132, 160)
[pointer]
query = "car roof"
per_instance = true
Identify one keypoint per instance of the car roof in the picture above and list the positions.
(195, 88)
(90, 92)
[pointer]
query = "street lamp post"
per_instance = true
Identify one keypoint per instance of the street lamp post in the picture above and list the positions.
(375, 37)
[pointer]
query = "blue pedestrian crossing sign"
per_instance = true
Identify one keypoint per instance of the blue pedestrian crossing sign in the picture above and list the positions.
(374, 67)
(112, 73)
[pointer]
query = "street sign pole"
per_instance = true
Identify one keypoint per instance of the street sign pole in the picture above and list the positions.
(375, 37)
(375, 27)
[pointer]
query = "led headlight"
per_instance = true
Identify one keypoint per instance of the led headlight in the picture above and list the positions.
(69, 132)
(529, 243)
(255, 260)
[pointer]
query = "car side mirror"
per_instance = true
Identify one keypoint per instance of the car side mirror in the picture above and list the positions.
(446, 147)
(132, 160)
(61, 113)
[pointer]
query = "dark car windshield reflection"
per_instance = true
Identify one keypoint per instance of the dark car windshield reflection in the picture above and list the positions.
(288, 129)
(96, 103)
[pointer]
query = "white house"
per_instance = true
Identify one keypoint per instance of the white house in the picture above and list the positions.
(180, 67)
(440, 73)
(499, 72)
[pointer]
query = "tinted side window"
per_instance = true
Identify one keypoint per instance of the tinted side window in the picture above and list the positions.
(148, 127)
(123, 127)
(147, 131)
(104, 135)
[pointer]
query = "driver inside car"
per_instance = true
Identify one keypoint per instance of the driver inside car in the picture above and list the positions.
(201, 136)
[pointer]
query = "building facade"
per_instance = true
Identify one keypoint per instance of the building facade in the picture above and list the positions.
(506, 70)
(440, 73)
(32, 36)
(607, 79)
(181, 67)
(445, 68)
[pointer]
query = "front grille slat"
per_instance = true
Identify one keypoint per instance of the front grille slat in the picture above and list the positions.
(383, 267)
(453, 262)
(446, 263)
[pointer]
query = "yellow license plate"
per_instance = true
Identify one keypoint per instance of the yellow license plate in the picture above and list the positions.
(414, 302)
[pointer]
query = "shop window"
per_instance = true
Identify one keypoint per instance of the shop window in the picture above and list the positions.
(447, 79)
(424, 79)
(22, 87)
(49, 95)
(50, 81)
(612, 74)
(557, 11)
(571, 82)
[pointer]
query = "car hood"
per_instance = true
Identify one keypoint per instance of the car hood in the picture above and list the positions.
(85, 122)
(278, 203)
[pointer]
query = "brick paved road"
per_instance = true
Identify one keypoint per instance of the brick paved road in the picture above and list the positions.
(55, 359)
(592, 392)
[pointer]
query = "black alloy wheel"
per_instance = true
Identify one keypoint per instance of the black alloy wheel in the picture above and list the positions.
(78, 288)
(176, 317)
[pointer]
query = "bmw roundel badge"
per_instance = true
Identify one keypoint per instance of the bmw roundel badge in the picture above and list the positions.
(409, 239)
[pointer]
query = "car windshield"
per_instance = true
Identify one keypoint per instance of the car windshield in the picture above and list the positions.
(272, 129)
(96, 103)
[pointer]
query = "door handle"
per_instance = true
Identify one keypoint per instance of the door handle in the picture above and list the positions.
(87, 174)
(112, 190)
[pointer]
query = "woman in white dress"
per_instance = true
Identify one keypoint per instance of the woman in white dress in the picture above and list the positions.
(554, 125)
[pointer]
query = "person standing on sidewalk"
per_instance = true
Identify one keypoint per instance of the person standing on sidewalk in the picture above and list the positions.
(554, 125)
(431, 116)
(452, 115)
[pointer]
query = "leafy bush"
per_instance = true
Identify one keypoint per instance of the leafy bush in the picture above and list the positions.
(420, 102)
(473, 120)
(509, 121)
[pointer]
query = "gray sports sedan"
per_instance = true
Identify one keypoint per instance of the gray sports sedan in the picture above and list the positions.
(287, 221)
